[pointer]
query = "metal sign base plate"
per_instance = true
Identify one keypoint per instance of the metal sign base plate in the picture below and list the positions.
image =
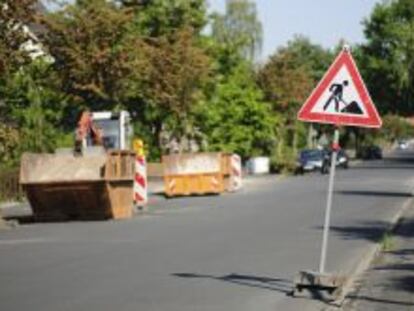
(318, 282)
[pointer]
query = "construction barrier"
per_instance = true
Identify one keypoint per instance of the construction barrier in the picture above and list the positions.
(140, 181)
(236, 181)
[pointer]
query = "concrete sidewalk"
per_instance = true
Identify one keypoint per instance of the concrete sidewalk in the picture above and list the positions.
(389, 283)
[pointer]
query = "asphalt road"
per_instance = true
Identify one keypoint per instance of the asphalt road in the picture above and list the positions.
(230, 252)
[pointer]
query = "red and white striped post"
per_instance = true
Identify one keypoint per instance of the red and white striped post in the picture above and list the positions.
(140, 181)
(140, 176)
(236, 181)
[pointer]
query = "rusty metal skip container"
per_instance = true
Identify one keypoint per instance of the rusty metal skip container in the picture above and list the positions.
(66, 187)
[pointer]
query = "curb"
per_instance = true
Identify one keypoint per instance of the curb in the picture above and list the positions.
(366, 260)
(3, 224)
(11, 204)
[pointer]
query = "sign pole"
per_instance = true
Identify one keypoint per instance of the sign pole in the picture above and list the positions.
(335, 147)
(342, 99)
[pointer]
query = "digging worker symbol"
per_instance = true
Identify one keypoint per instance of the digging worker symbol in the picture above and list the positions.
(337, 91)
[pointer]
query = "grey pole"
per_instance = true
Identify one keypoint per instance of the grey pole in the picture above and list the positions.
(322, 263)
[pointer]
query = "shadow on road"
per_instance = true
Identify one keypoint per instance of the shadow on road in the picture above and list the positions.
(396, 284)
(371, 231)
(404, 252)
(405, 283)
(401, 267)
(381, 301)
(274, 284)
(25, 219)
(405, 161)
(374, 193)
(31, 220)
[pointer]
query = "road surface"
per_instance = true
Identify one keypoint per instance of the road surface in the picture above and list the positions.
(231, 252)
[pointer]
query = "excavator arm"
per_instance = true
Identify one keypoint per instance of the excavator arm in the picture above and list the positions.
(87, 133)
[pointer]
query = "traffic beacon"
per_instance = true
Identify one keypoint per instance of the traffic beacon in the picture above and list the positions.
(340, 99)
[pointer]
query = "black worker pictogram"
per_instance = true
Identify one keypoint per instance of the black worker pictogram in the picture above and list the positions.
(337, 92)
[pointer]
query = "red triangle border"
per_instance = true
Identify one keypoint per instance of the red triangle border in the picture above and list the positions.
(372, 120)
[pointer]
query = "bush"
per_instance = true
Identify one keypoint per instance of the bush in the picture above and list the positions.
(9, 145)
(285, 164)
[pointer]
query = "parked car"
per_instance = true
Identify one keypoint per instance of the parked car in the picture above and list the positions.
(371, 152)
(316, 159)
(402, 144)
(342, 160)
(310, 160)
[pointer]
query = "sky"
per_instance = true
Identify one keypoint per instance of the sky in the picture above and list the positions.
(324, 22)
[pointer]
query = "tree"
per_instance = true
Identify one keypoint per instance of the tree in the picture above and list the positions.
(163, 17)
(286, 82)
(9, 145)
(396, 127)
(35, 106)
(93, 51)
(312, 56)
(29, 106)
(172, 83)
(239, 28)
(236, 118)
(14, 16)
(388, 56)
(140, 55)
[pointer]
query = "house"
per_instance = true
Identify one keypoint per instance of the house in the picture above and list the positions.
(33, 31)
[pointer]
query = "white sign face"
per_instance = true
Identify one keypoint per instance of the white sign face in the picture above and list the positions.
(341, 97)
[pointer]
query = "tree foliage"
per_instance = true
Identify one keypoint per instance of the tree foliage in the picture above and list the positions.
(396, 127)
(388, 55)
(312, 56)
(14, 15)
(93, 51)
(35, 106)
(9, 144)
(163, 17)
(237, 119)
(286, 81)
(172, 83)
(176, 70)
(239, 29)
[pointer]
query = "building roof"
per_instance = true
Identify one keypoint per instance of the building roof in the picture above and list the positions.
(36, 27)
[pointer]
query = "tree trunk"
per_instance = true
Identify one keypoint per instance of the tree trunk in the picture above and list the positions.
(2, 222)
(280, 143)
(310, 141)
(295, 137)
(158, 134)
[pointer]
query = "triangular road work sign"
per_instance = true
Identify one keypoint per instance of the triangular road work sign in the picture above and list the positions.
(341, 97)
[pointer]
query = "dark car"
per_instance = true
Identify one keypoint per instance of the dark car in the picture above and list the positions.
(342, 160)
(371, 152)
(310, 160)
